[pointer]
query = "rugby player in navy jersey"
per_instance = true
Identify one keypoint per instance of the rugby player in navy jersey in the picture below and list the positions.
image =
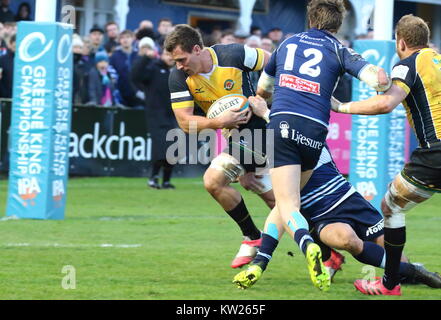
(340, 218)
(417, 84)
(304, 71)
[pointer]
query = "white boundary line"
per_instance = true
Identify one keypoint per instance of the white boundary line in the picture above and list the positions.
(60, 245)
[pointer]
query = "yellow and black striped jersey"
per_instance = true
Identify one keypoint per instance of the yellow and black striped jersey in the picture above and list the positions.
(231, 64)
(420, 76)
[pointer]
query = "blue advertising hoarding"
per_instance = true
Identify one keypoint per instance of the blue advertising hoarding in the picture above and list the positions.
(378, 142)
(40, 121)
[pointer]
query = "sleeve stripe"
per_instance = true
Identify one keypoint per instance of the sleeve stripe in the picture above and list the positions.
(177, 95)
(260, 59)
(183, 104)
(251, 57)
(401, 84)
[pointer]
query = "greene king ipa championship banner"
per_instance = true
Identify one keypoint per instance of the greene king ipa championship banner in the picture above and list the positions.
(378, 142)
(40, 121)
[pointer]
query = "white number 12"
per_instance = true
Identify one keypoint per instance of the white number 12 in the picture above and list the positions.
(310, 66)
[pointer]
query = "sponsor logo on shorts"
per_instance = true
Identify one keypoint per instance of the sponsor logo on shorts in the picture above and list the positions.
(284, 126)
(376, 228)
(298, 84)
(309, 142)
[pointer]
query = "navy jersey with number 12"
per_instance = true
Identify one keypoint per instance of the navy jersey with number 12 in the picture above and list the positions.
(307, 68)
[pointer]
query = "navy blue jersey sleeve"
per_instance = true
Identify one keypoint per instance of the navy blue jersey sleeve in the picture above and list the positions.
(404, 73)
(351, 61)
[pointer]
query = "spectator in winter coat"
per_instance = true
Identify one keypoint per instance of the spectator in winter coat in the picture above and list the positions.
(7, 69)
(122, 60)
(151, 75)
(101, 83)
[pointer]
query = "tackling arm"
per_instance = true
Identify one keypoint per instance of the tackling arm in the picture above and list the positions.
(378, 104)
(265, 88)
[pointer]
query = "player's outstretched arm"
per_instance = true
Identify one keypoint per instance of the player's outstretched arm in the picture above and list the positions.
(265, 86)
(378, 104)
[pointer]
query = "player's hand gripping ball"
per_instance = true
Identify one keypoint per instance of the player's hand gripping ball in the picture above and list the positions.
(225, 103)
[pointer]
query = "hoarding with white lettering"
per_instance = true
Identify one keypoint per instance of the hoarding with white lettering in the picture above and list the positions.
(40, 121)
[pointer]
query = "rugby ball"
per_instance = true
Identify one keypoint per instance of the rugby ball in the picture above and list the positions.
(225, 103)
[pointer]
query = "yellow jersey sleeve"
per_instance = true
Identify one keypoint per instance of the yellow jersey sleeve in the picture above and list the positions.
(180, 95)
(402, 85)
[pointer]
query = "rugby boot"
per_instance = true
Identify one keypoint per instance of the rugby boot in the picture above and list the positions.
(318, 272)
(422, 275)
(247, 252)
(154, 183)
(167, 185)
(247, 278)
(333, 264)
(376, 287)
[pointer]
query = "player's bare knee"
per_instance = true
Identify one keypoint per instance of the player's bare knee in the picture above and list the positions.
(212, 183)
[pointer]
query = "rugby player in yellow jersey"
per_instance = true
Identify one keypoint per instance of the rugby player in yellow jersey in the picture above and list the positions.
(203, 75)
(417, 84)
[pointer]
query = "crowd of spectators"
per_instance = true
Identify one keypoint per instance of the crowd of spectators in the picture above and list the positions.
(104, 58)
(8, 30)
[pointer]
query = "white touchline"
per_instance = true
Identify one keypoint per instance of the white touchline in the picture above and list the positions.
(59, 245)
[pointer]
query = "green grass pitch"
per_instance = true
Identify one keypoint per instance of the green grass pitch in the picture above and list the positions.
(126, 241)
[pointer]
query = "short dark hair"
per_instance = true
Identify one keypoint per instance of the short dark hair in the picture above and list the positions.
(326, 14)
(145, 32)
(227, 32)
(96, 28)
(255, 28)
(184, 36)
(166, 20)
(110, 23)
(127, 32)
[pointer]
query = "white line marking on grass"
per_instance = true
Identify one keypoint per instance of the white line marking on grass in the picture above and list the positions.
(59, 245)
(158, 216)
(13, 217)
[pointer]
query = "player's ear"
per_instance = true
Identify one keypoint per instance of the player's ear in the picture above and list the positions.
(402, 44)
(197, 49)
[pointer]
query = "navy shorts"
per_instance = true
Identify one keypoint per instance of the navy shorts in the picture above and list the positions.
(357, 212)
(297, 140)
